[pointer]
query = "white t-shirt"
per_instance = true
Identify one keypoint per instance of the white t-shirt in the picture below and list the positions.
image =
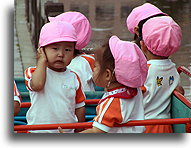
(57, 102)
(83, 66)
(118, 110)
(162, 79)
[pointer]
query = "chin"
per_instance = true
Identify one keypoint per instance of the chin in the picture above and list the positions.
(98, 84)
(58, 68)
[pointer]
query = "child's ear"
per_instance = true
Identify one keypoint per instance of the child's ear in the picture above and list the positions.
(108, 74)
(136, 29)
(143, 46)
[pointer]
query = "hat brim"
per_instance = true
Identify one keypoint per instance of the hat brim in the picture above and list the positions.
(51, 19)
(63, 39)
(112, 43)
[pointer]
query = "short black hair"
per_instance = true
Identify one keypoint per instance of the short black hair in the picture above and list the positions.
(141, 23)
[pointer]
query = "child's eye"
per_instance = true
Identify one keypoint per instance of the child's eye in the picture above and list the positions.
(55, 48)
(67, 49)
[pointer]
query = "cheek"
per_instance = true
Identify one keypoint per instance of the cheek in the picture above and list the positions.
(97, 78)
(68, 58)
(95, 74)
(49, 56)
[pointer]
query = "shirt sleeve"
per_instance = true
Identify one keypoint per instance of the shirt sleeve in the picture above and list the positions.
(17, 96)
(108, 114)
(80, 96)
(28, 77)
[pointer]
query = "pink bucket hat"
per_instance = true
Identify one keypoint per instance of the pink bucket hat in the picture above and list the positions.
(140, 13)
(80, 23)
(57, 32)
(162, 36)
(130, 63)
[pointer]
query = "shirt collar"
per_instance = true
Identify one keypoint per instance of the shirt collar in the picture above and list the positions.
(120, 92)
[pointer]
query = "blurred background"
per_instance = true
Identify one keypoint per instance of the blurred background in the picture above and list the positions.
(107, 17)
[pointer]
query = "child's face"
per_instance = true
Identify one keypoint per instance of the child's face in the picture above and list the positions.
(99, 79)
(59, 55)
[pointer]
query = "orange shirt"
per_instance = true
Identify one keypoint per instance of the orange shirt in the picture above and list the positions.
(120, 106)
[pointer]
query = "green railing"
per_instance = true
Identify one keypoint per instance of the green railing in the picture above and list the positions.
(181, 107)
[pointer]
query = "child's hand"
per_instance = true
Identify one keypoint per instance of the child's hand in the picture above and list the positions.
(41, 56)
(60, 130)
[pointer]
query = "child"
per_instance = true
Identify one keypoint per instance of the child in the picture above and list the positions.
(121, 69)
(17, 100)
(55, 91)
(161, 37)
(82, 63)
(139, 16)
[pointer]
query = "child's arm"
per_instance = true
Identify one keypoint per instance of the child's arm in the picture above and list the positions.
(16, 107)
(143, 89)
(80, 113)
(17, 100)
(39, 75)
(93, 130)
(180, 89)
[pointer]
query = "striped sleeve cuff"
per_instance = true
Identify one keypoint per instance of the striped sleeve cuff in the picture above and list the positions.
(16, 98)
(29, 85)
(101, 126)
(80, 104)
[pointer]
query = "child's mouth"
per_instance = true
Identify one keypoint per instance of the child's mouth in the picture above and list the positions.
(59, 62)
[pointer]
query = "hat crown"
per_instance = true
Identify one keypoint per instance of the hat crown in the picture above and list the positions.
(162, 36)
(81, 25)
(140, 13)
(130, 62)
(53, 32)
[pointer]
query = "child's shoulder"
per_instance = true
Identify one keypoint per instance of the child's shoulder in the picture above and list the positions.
(73, 73)
(160, 63)
(30, 70)
(89, 58)
(31, 67)
(84, 55)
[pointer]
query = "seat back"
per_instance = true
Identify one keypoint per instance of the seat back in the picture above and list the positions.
(181, 108)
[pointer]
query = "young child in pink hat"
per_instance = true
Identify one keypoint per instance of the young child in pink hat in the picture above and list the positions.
(139, 16)
(120, 67)
(55, 91)
(82, 63)
(161, 37)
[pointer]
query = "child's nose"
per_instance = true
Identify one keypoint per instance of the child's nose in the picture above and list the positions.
(61, 53)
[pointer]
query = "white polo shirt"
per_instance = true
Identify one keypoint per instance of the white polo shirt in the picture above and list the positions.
(83, 65)
(57, 102)
(162, 79)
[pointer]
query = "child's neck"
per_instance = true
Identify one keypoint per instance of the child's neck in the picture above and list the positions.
(155, 57)
(58, 70)
(113, 85)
